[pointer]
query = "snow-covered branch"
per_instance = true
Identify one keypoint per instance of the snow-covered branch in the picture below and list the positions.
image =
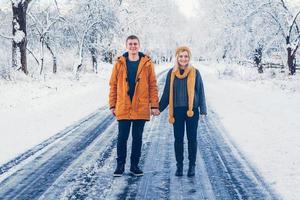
(293, 22)
(6, 36)
(33, 55)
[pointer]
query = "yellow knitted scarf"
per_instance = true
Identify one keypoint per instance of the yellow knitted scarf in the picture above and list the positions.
(190, 73)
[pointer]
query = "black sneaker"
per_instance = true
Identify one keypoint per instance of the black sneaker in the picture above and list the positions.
(191, 171)
(179, 171)
(119, 170)
(135, 170)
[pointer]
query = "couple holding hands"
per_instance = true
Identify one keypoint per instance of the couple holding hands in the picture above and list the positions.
(133, 97)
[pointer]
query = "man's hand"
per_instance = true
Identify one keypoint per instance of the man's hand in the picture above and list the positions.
(113, 111)
(155, 112)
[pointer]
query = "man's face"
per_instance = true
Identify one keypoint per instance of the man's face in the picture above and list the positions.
(132, 46)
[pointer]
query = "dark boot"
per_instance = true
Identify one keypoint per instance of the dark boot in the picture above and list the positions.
(179, 171)
(136, 171)
(191, 171)
(119, 170)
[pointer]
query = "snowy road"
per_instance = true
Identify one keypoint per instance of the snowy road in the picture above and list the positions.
(78, 164)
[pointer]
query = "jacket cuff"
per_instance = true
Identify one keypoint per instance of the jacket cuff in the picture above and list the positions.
(154, 107)
(112, 107)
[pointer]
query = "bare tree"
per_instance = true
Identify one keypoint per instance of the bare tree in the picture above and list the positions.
(19, 42)
(244, 24)
(97, 22)
(288, 29)
(43, 28)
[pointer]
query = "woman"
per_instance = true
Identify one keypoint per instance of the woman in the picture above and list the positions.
(184, 93)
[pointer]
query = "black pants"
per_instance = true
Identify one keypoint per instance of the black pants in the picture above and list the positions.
(181, 119)
(137, 134)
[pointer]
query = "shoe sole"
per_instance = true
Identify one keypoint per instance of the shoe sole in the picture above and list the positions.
(137, 174)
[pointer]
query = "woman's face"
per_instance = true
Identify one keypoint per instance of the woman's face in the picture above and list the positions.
(183, 59)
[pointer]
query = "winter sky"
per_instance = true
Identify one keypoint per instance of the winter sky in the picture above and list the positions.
(188, 7)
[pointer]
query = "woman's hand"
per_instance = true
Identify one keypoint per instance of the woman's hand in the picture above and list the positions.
(202, 118)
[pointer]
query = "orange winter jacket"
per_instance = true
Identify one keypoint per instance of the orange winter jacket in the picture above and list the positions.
(145, 93)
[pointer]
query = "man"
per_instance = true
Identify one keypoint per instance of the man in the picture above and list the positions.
(133, 97)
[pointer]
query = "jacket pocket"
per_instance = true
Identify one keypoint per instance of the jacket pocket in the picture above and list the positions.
(119, 108)
(144, 108)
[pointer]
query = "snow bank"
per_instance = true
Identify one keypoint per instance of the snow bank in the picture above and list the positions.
(261, 115)
(33, 110)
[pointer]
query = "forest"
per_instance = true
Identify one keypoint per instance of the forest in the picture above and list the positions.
(42, 37)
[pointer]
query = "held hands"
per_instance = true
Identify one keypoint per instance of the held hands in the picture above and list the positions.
(155, 112)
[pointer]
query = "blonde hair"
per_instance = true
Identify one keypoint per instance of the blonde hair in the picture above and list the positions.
(178, 51)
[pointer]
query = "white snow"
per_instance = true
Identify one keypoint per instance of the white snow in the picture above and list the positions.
(261, 115)
(19, 36)
(32, 111)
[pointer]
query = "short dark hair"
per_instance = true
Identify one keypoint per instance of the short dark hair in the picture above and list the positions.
(132, 37)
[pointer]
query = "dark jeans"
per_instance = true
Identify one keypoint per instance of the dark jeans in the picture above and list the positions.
(137, 134)
(181, 119)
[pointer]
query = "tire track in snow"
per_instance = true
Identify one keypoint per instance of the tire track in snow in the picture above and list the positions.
(240, 179)
(31, 181)
(78, 179)
(31, 152)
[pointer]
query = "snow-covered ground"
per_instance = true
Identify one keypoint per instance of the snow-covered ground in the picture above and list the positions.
(33, 110)
(259, 113)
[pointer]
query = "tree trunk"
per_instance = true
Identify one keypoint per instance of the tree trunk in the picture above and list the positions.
(20, 35)
(42, 56)
(53, 58)
(291, 60)
(94, 59)
(258, 58)
(54, 64)
(14, 55)
(291, 57)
